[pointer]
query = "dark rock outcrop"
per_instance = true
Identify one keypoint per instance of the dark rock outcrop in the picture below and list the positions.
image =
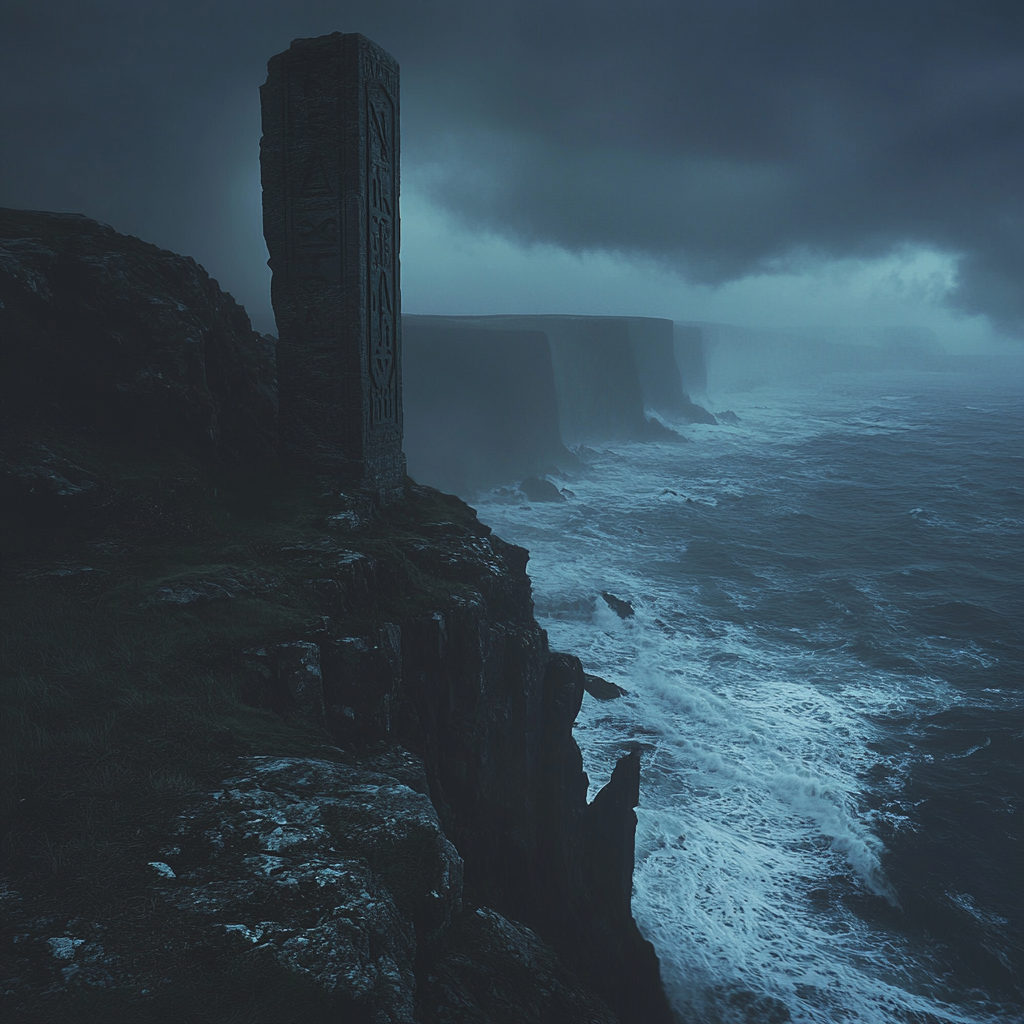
(383, 736)
(104, 332)
(589, 849)
(537, 489)
(323, 869)
(496, 971)
(601, 689)
(623, 609)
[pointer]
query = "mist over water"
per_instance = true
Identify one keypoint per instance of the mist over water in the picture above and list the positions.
(824, 672)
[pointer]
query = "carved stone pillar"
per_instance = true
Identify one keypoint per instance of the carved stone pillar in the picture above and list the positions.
(330, 167)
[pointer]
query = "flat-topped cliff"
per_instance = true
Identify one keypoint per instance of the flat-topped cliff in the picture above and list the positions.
(269, 750)
(497, 398)
(480, 405)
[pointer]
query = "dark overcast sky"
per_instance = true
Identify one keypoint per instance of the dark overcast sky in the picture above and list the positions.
(722, 138)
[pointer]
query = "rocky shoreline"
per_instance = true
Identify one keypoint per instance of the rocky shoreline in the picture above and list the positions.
(338, 779)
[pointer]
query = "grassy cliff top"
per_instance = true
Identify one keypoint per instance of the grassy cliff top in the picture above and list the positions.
(131, 585)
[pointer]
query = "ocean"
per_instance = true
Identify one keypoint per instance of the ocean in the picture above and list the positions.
(825, 673)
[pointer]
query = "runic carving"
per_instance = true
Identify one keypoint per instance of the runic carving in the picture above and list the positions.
(315, 181)
(381, 232)
(330, 160)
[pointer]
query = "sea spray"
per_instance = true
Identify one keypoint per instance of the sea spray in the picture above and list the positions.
(824, 597)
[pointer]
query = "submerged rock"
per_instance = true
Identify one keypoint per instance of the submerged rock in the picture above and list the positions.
(601, 689)
(623, 609)
(537, 489)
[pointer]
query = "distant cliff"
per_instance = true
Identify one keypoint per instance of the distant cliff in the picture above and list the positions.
(691, 357)
(481, 407)
(595, 377)
(272, 751)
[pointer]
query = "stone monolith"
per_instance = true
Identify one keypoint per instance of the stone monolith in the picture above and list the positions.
(330, 168)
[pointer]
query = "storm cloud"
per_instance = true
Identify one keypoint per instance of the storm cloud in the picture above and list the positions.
(719, 138)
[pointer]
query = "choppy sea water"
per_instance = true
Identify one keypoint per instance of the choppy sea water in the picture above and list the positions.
(825, 673)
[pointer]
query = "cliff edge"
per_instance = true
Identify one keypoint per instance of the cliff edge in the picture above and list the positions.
(269, 754)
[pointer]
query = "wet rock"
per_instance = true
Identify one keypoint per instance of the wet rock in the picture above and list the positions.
(728, 417)
(693, 413)
(329, 871)
(601, 689)
(657, 431)
(623, 609)
(537, 489)
(632, 983)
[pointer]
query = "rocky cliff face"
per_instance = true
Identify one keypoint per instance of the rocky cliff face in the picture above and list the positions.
(275, 755)
(480, 406)
(103, 332)
(494, 397)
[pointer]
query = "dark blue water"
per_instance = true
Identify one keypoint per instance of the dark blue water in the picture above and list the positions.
(825, 672)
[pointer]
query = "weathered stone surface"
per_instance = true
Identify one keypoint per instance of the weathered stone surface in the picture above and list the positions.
(497, 971)
(327, 870)
(601, 689)
(103, 332)
(362, 681)
(330, 167)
